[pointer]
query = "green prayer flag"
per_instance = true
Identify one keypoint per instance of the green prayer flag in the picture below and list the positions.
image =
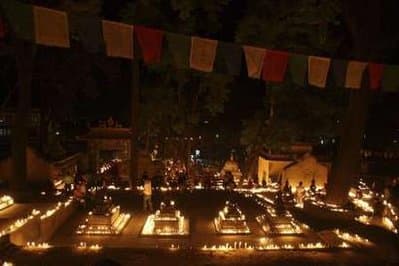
(339, 71)
(20, 17)
(390, 79)
(179, 49)
(298, 67)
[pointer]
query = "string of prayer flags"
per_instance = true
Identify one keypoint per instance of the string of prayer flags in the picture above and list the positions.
(354, 74)
(298, 65)
(20, 18)
(254, 57)
(375, 75)
(51, 27)
(150, 41)
(118, 38)
(318, 68)
(228, 58)
(88, 30)
(390, 80)
(203, 53)
(275, 65)
(179, 49)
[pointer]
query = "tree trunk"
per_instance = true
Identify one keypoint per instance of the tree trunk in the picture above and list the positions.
(134, 122)
(347, 162)
(365, 37)
(19, 136)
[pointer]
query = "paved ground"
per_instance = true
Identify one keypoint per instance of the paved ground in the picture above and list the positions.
(201, 208)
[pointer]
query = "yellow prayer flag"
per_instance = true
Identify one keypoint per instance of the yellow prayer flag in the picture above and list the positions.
(51, 27)
(254, 57)
(203, 53)
(354, 74)
(318, 68)
(118, 38)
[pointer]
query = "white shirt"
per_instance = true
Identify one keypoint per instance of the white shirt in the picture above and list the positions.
(147, 188)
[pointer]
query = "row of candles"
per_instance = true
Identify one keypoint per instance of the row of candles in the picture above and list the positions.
(352, 238)
(390, 218)
(114, 229)
(34, 213)
(19, 223)
(33, 246)
(345, 236)
(236, 246)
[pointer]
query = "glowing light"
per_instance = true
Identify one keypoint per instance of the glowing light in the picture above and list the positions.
(167, 221)
(19, 223)
(7, 263)
(37, 246)
(344, 245)
(50, 212)
(111, 226)
(362, 204)
(174, 247)
(231, 221)
(331, 207)
(93, 247)
(229, 247)
(353, 238)
(363, 219)
(113, 187)
(5, 202)
(301, 246)
(387, 223)
(317, 245)
(279, 225)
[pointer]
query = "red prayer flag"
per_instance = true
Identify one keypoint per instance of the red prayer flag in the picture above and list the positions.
(275, 65)
(150, 41)
(375, 75)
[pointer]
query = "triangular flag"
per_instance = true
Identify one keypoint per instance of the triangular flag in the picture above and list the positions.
(254, 57)
(354, 74)
(275, 66)
(179, 49)
(51, 27)
(390, 80)
(298, 65)
(89, 31)
(150, 41)
(118, 38)
(20, 18)
(228, 58)
(203, 53)
(339, 69)
(375, 75)
(318, 71)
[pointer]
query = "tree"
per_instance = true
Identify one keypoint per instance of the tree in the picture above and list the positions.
(175, 101)
(366, 42)
(291, 113)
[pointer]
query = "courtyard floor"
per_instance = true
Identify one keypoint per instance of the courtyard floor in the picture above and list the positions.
(200, 207)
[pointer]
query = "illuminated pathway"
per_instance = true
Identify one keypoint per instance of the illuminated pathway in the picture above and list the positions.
(200, 208)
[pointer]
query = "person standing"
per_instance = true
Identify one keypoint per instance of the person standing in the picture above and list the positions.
(147, 193)
(300, 194)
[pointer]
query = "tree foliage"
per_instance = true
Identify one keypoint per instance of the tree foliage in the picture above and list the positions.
(175, 101)
(292, 113)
